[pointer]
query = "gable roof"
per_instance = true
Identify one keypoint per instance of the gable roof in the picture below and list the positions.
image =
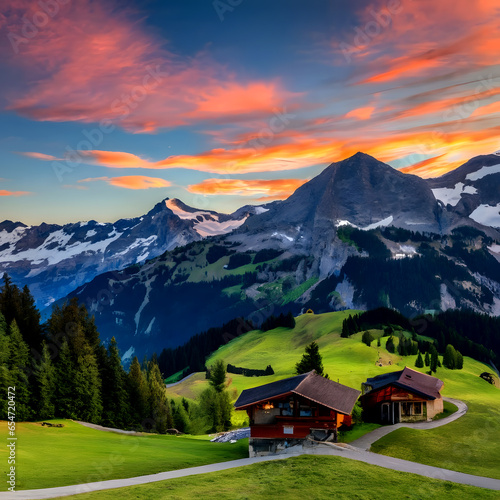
(412, 380)
(310, 385)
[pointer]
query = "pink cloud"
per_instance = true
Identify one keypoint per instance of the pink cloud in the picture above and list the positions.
(132, 181)
(4, 192)
(40, 156)
(94, 62)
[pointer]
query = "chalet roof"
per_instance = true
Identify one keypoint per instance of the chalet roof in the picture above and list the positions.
(311, 386)
(412, 380)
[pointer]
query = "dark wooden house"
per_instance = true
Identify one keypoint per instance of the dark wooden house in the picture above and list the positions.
(403, 396)
(286, 412)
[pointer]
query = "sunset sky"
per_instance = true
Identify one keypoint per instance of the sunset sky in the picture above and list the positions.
(107, 107)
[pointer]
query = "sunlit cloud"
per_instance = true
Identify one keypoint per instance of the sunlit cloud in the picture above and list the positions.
(40, 156)
(97, 63)
(363, 113)
(275, 188)
(132, 181)
(4, 192)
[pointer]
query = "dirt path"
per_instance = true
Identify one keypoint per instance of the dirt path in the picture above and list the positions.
(367, 440)
(180, 381)
(354, 451)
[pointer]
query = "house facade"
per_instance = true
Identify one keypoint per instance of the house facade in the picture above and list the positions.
(402, 396)
(289, 411)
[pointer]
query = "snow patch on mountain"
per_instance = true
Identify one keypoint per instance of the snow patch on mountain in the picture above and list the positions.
(381, 223)
(205, 223)
(483, 172)
(145, 302)
(451, 196)
(282, 236)
(54, 249)
(494, 248)
(487, 215)
(261, 210)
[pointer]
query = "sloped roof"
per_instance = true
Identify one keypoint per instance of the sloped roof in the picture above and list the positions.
(326, 392)
(409, 379)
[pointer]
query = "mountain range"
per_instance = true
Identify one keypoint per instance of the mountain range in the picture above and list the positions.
(359, 235)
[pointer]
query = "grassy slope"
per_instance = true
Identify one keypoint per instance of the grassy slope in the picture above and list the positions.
(467, 445)
(301, 477)
(74, 454)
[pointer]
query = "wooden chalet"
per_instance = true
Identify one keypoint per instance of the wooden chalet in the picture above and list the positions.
(286, 412)
(403, 396)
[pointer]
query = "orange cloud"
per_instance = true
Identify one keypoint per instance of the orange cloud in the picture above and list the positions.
(40, 156)
(132, 181)
(4, 192)
(363, 113)
(96, 62)
(413, 45)
(275, 188)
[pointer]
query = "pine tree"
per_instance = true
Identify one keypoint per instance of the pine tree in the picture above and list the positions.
(311, 360)
(19, 367)
(160, 412)
(434, 359)
(459, 361)
(367, 338)
(138, 394)
(5, 379)
(389, 345)
(114, 395)
(87, 401)
(419, 363)
(449, 357)
(65, 388)
(427, 359)
(45, 376)
(218, 376)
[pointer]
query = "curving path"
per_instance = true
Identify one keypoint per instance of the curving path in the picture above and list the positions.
(367, 440)
(355, 451)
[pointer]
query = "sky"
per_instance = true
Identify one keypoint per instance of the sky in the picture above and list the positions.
(107, 107)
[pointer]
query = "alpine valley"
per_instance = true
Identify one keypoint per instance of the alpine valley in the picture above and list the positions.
(359, 235)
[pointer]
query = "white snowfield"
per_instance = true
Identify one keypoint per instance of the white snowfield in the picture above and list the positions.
(495, 248)
(50, 255)
(210, 227)
(261, 210)
(487, 215)
(451, 196)
(381, 223)
(483, 172)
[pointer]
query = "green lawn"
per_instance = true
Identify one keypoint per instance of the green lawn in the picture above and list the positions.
(74, 454)
(309, 477)
(468, 445)
(448, 409)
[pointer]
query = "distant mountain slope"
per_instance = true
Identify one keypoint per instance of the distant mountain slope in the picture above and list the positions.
(472, 190)
(53, 260)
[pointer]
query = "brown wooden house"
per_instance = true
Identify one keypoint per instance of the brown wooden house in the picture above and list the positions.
(403, 396)
(285, 412)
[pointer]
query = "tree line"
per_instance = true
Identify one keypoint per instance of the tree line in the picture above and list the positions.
(61, 369)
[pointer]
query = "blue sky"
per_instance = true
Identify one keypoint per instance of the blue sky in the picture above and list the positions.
(108, 107)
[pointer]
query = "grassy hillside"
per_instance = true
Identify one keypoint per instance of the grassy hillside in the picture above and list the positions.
(467, 445)
(74, 454)
(301, 477)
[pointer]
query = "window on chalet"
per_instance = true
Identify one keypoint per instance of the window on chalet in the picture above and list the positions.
(409, 409)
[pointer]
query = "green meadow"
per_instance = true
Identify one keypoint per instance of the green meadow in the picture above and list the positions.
(469, 444)
(311, 477)
(50, 456)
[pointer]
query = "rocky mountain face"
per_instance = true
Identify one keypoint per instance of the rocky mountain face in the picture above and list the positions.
(53, 260)
(472, 190)
(359, 235)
